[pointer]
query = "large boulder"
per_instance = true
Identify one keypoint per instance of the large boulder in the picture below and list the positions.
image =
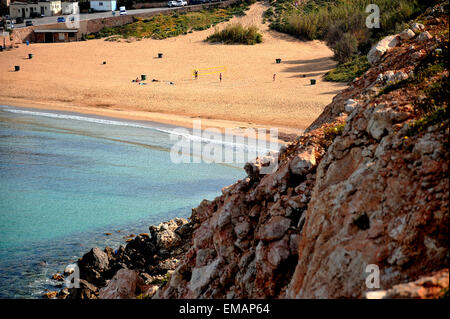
(407, 34)
(417, 27)
(275, 228)
(86, 290)
(95, 258)
(262, 165)
(424, 36)
(381, 48)
(92, 265)
(252, 168)
(125, 284)
(165, 237)
(382, 120)
(201, 276)
(139, 252)
(350, 105)
(303, 162)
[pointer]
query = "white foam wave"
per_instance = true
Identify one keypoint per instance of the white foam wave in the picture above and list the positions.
(243, 147)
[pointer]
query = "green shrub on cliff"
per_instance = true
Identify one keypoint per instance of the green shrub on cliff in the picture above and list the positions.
(330, 133)
(162, 281)
(436, 96)
(431, 74)
(434, 63)
(346, 72)
(438, 116)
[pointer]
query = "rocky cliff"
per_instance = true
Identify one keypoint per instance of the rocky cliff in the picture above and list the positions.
(367, 184)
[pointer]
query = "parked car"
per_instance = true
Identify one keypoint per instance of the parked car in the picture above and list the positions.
(19, 20)
(28, 23)
(177, 3)
(123, 11)
(9, 25)
(36, 15)
(61, 19)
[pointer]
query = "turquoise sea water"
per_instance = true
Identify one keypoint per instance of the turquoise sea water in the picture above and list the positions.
(66, 179)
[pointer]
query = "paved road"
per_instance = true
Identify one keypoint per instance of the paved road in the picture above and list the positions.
(88, 16)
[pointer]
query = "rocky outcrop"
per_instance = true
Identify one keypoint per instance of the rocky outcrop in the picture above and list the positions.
(381, 47)
(93, 266)
(407, 34)
(86, 290)
(245, 242)
(136, 270)
(394, 189)
(424, 36)
(125, 284)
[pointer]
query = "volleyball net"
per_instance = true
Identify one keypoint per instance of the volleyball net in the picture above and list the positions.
(207, 71)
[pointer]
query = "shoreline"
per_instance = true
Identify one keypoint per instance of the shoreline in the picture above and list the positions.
(285, 134)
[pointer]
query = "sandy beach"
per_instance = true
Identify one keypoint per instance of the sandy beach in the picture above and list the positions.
(72, 77)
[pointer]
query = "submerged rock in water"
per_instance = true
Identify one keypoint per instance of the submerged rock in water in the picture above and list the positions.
(58, 277)
(50, 295)
(69, 269)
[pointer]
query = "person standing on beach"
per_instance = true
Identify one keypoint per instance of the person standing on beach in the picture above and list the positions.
(274, 75)
(220, 77)
(196, 74)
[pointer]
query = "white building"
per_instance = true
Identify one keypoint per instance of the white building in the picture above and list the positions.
(104, 5)
(25, 9)
(70, 8)
(19, 9)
